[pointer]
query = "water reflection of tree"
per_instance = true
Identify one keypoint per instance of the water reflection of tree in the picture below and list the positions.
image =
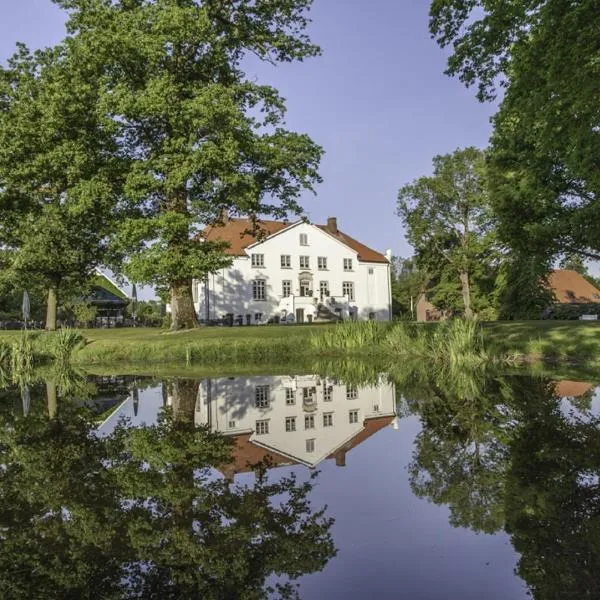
(142, 513)
(506, 457)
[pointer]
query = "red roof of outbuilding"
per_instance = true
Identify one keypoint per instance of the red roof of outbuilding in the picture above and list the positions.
(572, 287)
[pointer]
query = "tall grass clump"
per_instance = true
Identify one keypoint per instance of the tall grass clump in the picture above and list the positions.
(62, 343)
(350, 335)
(457, 343)
(4, 353)
(22, 353)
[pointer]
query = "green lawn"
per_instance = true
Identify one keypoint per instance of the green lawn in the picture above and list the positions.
(549, 340)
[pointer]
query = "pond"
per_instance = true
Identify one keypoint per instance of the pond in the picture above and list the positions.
(417, 485)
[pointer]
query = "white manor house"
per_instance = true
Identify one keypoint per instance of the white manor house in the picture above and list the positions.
(293, 272)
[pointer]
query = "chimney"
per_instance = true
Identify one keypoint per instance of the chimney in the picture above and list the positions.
(340, 458)
(332, 225)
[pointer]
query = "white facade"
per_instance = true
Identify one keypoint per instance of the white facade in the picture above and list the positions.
(299, 274)
(306, 418)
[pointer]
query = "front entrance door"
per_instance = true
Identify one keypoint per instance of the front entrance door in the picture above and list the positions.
(304, 287)
(299, 315)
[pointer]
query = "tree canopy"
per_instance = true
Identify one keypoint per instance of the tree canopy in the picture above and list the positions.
(59, 172)
(200, 135)
(449, 221)
(545, 180)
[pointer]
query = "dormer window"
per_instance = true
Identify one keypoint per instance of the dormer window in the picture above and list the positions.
(258, 260)
(304, 239)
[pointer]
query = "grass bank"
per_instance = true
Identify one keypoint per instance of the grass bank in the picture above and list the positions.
(557, 342)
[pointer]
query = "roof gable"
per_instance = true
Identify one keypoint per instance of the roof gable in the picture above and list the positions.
(238, 234)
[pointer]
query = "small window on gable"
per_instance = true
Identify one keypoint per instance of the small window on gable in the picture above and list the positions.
(347, 264)
(258, 260)
(304, 239)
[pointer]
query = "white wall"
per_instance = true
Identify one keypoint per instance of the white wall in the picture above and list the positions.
(230, 290)
(228, 406)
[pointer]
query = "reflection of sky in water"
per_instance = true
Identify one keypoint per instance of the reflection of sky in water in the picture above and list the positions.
(390, 543)
(575, 410)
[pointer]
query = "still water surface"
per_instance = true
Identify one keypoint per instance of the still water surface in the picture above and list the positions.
(419, 488)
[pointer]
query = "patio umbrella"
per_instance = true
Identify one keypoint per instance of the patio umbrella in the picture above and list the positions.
(26, 398)
(26, 307)
(133, 302)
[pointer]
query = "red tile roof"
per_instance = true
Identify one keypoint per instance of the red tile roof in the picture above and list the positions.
(571, 287)
(572, 389)
(238, 233)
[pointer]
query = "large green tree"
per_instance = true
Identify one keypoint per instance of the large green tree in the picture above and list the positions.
(202, 136)
(448, 220)
(58, 172)
(546, 141)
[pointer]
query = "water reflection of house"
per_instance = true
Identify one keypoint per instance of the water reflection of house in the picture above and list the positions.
(293, 420)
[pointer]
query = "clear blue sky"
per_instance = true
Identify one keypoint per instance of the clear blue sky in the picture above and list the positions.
(376, 100)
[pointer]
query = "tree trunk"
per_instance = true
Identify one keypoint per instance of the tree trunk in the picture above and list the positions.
(183, 313)
(51, 308)
(466, 294)
(51, 398)
(185, 395)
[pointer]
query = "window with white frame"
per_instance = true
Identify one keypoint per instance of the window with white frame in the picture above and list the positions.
(290, 396)
(351, 392)
(328, 393)
(371, 271)
(324, 288)
(195, 286)
(347, 264)
(258, 260)
(309, 421)
(259, 289)
(303, 239)
(353, 416)
(290, 423)
(322, 263)
(262, 427)
(286, 288)
(348, 289)
(327, 419)
(308, 393)
(261, 396)
(376, 408)
(310, 445)
(286, 261)
(305, 262)
(231, 425)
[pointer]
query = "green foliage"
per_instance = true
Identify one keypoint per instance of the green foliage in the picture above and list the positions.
(58, 175)
(522, 290)
(201, 137)
(571, 312)
(64, 342)
(543, 158)
(82, 312)
(407, 284)
(140, 513)
(349, 335)
(450, 225)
